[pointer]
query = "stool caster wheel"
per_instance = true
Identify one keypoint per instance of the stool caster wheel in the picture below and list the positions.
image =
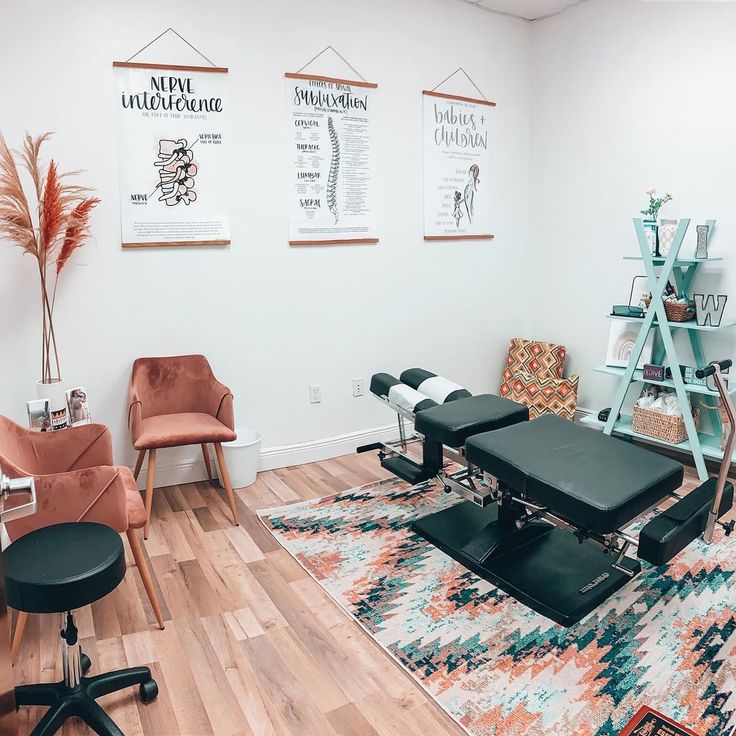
(86, 664)
(447, 489)
(148, 691)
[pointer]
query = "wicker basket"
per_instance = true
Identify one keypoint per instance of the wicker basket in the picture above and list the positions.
(676, 311)
(665, 427)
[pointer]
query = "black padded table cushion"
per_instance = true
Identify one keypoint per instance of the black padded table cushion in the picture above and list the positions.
(63, 567)
(595, 481)
(414, 377)
(381, 383)
(452, 423)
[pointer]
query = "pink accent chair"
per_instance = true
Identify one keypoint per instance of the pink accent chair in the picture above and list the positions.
(177, 401)
(75, 481)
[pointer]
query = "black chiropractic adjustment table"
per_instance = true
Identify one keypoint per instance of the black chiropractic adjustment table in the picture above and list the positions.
(57, 569)
(548, 502)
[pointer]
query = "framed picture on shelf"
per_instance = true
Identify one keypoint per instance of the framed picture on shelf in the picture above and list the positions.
(666, 232)
(621, 340)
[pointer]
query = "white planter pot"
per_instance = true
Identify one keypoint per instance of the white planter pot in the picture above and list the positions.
(55, 394)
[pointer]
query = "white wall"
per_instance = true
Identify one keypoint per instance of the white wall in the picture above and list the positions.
(625, 94)
(272, 319)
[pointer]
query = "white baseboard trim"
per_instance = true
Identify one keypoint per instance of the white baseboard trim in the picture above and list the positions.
(174, 474)
(271, 457)
(324, 449)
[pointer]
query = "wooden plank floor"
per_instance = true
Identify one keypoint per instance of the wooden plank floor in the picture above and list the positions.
(252, 645)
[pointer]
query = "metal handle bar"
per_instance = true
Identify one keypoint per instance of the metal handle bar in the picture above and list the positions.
(13, 487)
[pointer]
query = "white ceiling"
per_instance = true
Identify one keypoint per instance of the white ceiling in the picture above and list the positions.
(527, 9)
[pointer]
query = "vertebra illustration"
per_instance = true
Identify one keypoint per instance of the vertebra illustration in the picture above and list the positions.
(176, 172)
(334, 170)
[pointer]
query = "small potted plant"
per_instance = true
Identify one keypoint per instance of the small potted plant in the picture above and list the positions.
(651, 214)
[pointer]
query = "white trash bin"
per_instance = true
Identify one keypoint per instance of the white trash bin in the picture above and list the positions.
(242, 457)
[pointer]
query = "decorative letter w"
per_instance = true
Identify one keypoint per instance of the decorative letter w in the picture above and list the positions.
(708, 312)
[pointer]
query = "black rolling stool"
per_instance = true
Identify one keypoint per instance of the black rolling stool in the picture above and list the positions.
(57, 569)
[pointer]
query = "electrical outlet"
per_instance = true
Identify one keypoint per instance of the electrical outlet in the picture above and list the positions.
(358, 386)
(315, 393)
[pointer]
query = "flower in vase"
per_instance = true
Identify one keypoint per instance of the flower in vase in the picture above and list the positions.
(655, 203)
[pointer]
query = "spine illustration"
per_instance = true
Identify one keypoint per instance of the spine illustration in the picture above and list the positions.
(176, 170)
(334, 170)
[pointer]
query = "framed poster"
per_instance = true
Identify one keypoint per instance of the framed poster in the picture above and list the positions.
(457, 165)
(172, 154)
(330, 125)
(622, 338)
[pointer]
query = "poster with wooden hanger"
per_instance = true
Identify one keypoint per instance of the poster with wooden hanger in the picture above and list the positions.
(172, 150)
(457, 164)
(330, 124)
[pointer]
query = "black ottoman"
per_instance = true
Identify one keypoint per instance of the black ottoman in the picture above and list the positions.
(57, 569)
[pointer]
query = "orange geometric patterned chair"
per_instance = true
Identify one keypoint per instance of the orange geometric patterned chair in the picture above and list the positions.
(533, 376)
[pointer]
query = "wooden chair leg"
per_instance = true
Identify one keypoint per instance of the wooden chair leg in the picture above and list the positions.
(139, 464)
(206, 456)
(20, 627)
(149, 489)
(226, 481)
(145, 573)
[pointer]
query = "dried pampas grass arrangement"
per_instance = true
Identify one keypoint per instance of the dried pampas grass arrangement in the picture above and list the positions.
(50, 232)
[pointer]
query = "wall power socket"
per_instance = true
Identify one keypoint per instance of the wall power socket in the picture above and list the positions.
(315, 393)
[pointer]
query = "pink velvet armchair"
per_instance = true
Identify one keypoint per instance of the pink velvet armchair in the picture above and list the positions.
(177, 401)
(75, 481)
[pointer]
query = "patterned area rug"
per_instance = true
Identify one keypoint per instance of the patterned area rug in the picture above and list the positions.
(667, 640)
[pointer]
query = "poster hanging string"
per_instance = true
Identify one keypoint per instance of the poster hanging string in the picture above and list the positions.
(457, 71)
(160, 35)
(336, 52)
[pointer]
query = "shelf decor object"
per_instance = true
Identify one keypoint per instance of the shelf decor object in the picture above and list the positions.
(658, 425)
(660, 270)
(651, 213)
(665, 234)
(701, 249)
(709, 309)
(654, 373)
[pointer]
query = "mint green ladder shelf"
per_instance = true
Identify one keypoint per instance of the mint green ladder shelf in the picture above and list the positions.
(682, 271)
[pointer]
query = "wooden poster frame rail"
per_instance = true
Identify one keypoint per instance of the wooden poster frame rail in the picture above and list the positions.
(169, 67)
(173, 68)
(177, 243)
(352, 83)
(432, 93)
(336, 80)
(459, 237)
(476, 101)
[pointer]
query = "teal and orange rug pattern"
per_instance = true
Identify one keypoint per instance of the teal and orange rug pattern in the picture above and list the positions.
(667, 640)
